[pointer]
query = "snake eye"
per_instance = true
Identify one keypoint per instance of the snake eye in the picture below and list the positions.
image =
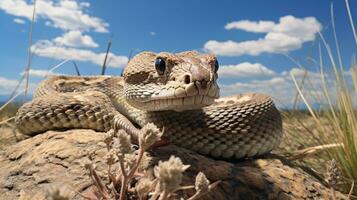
(160, 66)
(216, 66)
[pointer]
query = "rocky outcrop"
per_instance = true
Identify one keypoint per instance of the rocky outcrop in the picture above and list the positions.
(33, 167)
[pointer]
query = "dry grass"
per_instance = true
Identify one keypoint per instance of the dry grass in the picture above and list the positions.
(8, 111)
(333, 122)
(7, 132)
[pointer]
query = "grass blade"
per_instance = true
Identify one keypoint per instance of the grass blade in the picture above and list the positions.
(29, 52)
(106, 57)
(76, 68)
(351, 20)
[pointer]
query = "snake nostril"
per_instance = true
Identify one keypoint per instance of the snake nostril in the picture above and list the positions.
(187, 79)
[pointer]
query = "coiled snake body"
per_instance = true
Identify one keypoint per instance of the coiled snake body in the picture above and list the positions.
(176, 91)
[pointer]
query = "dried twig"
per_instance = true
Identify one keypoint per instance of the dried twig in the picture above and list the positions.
(76, 67)
(312, 150)
(7, 120)
(59, 65)
(29, 52)
(351, 20)
(106, 57)
(11, 99)
(351, 190)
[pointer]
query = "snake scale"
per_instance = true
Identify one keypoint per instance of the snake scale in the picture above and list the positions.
(177, 92)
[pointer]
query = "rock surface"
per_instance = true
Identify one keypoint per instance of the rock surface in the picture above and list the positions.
(30, 168)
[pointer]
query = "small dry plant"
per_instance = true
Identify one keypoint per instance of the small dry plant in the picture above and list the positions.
(130, 180)
(333, 175)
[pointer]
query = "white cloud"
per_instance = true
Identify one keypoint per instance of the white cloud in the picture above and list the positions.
(152, 33)
(75, 39)
(19, 21)
(71, 17)
(244, 69)
(4, 82)
(287, 35)
(281, 90)
(7, 86)
(40, 73)
(18, 8)
(298, 72)
(48, 49)
(64, 14)
(281, 86)
(255, 27)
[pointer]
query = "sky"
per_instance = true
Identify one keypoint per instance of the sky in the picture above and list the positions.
(259, 43)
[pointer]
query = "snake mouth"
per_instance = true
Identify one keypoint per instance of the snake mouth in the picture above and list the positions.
(173, 97)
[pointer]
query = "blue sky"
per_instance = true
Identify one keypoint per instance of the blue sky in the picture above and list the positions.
(249, 37)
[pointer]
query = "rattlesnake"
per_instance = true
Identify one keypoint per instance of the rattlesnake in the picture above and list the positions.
(177, 92)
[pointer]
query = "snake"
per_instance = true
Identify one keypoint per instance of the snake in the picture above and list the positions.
(177, 92)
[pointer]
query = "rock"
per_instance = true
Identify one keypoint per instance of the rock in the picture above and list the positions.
(33, 167)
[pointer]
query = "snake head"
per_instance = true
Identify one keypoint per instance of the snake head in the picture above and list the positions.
(165, 81)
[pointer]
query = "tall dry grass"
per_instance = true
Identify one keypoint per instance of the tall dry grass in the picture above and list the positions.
(335, 117)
